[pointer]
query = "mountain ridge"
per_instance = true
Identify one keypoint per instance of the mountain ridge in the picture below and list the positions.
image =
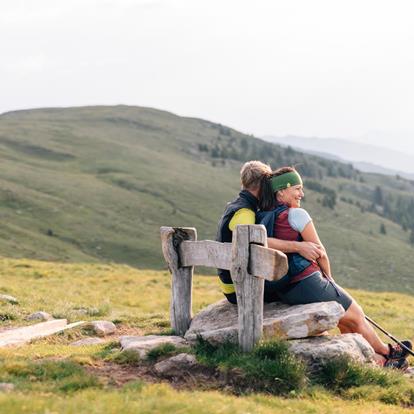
(367, 157)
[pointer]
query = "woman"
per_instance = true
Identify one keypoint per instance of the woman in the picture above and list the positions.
(307, 281)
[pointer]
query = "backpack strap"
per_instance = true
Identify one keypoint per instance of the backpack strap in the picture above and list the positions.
(268, 218)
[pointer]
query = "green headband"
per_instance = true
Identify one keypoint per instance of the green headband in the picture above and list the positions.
(286, 180)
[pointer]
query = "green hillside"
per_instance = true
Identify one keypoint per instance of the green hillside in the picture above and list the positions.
(96, 183)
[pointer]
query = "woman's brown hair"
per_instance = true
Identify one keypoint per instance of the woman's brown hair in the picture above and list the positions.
(267, 198)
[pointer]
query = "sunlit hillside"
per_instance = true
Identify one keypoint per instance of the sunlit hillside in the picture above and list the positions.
(95, 184)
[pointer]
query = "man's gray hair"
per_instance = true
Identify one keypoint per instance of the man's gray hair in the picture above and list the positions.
(252, 173)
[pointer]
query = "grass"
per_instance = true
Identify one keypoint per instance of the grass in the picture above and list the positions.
(50, 375)
(161, 398)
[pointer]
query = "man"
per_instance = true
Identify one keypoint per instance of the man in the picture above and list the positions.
(242, 210)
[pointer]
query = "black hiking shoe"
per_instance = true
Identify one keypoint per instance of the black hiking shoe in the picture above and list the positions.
(397, 352)
(401, 364)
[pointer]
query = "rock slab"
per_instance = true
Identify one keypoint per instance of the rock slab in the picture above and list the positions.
(318, 350)
(39, 316)
(218, 322)
(176, 366)
(102, 328)
(22, 335)
(9, 299)
(143, 344)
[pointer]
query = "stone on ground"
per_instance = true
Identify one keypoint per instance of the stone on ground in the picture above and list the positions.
(39, 316)
(176, 366)
(102, 328)
(218, 322)
(6, 386)
(409, 372)
(318, 350)
(9, 299)
(143, 344)
(87, 341)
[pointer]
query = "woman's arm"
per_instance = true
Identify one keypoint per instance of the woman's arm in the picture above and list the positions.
(310, 234)
(307, 249)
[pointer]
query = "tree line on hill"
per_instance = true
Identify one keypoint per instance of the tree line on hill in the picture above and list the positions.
(397, 207)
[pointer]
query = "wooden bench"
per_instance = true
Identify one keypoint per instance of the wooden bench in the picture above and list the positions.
(249, 260)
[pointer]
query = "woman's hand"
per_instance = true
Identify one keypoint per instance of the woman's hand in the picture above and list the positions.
(310, 250)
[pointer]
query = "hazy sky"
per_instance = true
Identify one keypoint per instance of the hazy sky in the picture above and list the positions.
(312, 68)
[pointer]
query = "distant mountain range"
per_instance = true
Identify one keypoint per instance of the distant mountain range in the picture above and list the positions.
(365, 157)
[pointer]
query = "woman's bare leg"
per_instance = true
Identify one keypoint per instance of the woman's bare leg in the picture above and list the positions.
(354, 322)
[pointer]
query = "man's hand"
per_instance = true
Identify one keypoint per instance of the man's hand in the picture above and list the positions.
(311, 251)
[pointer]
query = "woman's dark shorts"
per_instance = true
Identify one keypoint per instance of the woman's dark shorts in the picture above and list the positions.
(315, 288)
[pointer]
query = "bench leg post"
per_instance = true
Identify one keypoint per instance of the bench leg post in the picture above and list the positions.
(181, 277)
(249, 289)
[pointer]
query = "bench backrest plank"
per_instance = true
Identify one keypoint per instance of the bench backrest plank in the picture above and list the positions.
(266, 263)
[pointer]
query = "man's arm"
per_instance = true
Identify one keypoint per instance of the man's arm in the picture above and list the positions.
(309, 250)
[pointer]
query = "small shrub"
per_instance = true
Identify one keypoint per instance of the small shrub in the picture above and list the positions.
(127, 357)
(161, 350)
(78, 382)
(269, 368)
(55, 370)
(107, 350)
(8, 316)
(135, 386)
(342, 373)
(61, 375)
(101, 310)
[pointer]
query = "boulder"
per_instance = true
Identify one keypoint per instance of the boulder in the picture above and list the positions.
(39, 316)
(9, 299)
(102, 328)
(87, 341)
(318, 350)
(143, 344)
(176, 366)
(218, 322)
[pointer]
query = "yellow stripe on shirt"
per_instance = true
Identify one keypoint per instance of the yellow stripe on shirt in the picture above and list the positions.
(227, 288)
(242, 216)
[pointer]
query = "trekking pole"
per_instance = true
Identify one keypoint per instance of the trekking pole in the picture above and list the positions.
(389, 335)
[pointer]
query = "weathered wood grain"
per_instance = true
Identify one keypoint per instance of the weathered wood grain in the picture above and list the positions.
(249, 289)
(181, 277)
(206, 253)
(267, 263)
(22, 335)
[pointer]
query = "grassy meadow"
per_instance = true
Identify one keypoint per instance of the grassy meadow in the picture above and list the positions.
(52, 376)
